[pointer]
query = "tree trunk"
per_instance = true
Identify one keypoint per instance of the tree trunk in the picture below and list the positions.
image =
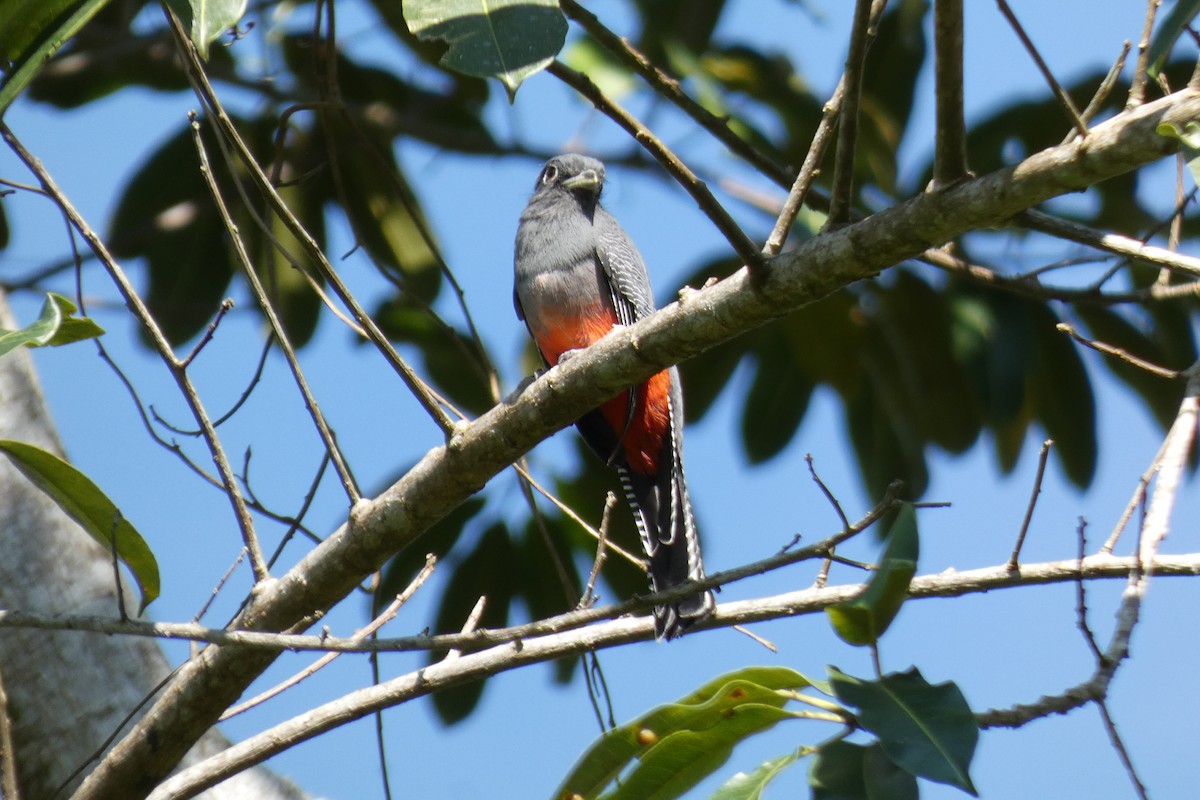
(68, 692)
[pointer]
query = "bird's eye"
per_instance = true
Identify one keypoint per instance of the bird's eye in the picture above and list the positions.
(549, 174)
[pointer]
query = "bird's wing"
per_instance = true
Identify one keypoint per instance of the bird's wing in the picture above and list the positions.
(629, 284)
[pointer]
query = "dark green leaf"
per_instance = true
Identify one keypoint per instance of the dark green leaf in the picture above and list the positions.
(930, 382)
(54, 326)
(707, 374)
(1062, 396)
(83, 501)
(864, 619)
(31, 31)
(837, 772)
(453, 360)
(928, 730)
(676, 745)
(475, 576)
(884, 780)
(381, 207)
(504, 39)
(885, 443)
(776, 402)
(1169, 31)
(174, 226)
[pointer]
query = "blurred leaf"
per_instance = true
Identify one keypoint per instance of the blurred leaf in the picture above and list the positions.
(173, 225)
(864, 619)
(380, 206)
(1160, 395)
(504, 39)
(548, 579)
(915, 324)
(927, 729)
(686, 23)
(54, 326)
(743, 786)
(674, 746)
(706, 375)
(31, 31)
(381, 103)
(400, 570)
(4, 229)
(885, 780)
(1189, 142)
(1062, 396)
(292, 296)
(1169, 31)
(481, 573)
(885, 444)
(837, 772)
(207, 20)
(847, 771)
(452, 359)
(601, 66)
(776, 402)
(84, 502)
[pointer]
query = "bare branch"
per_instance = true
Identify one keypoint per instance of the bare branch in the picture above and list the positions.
(1063, 98)
(861, 34)
(950, 155)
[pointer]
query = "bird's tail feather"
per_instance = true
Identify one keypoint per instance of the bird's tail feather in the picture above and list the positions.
(667, 525)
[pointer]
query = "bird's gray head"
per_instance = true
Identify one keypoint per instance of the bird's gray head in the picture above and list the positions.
(571, 174)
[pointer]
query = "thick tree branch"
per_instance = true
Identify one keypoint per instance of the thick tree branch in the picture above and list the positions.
(448, 474)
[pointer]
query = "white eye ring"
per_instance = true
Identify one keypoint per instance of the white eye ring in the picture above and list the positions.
(549, 173)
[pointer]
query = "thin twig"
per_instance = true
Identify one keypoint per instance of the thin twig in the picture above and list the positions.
(1137, 88)
(1063, 98)
(1122, 753)
(692, 184)
(1114, 243)
(589, 596)
(1104, 90)
(468, 627)
(847, 135)
(367, 632)
(1081, 611)
(1117, 352)
(1014, 559)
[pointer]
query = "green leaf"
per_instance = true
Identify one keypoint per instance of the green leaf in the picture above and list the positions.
(884, 780)
(926, 729)
(207, 20)
(504, 39)
(864, 619)
(776, 402)
(83, 501)
(750, 786)
(675, 746)
(837, 772)
(1169, 32)
(174, 226)
(54, 326)
(31, 31)
(1189, 141)
(1062, 395)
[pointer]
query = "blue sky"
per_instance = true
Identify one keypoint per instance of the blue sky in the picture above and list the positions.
(1003, 648)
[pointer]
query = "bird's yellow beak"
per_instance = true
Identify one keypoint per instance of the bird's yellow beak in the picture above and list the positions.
(588, 179)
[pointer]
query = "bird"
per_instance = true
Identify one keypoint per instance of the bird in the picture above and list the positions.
(577, 274)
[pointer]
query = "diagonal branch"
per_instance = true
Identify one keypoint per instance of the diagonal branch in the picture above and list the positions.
(448, 474)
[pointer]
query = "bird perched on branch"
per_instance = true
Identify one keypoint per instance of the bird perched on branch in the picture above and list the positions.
(577, 276)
